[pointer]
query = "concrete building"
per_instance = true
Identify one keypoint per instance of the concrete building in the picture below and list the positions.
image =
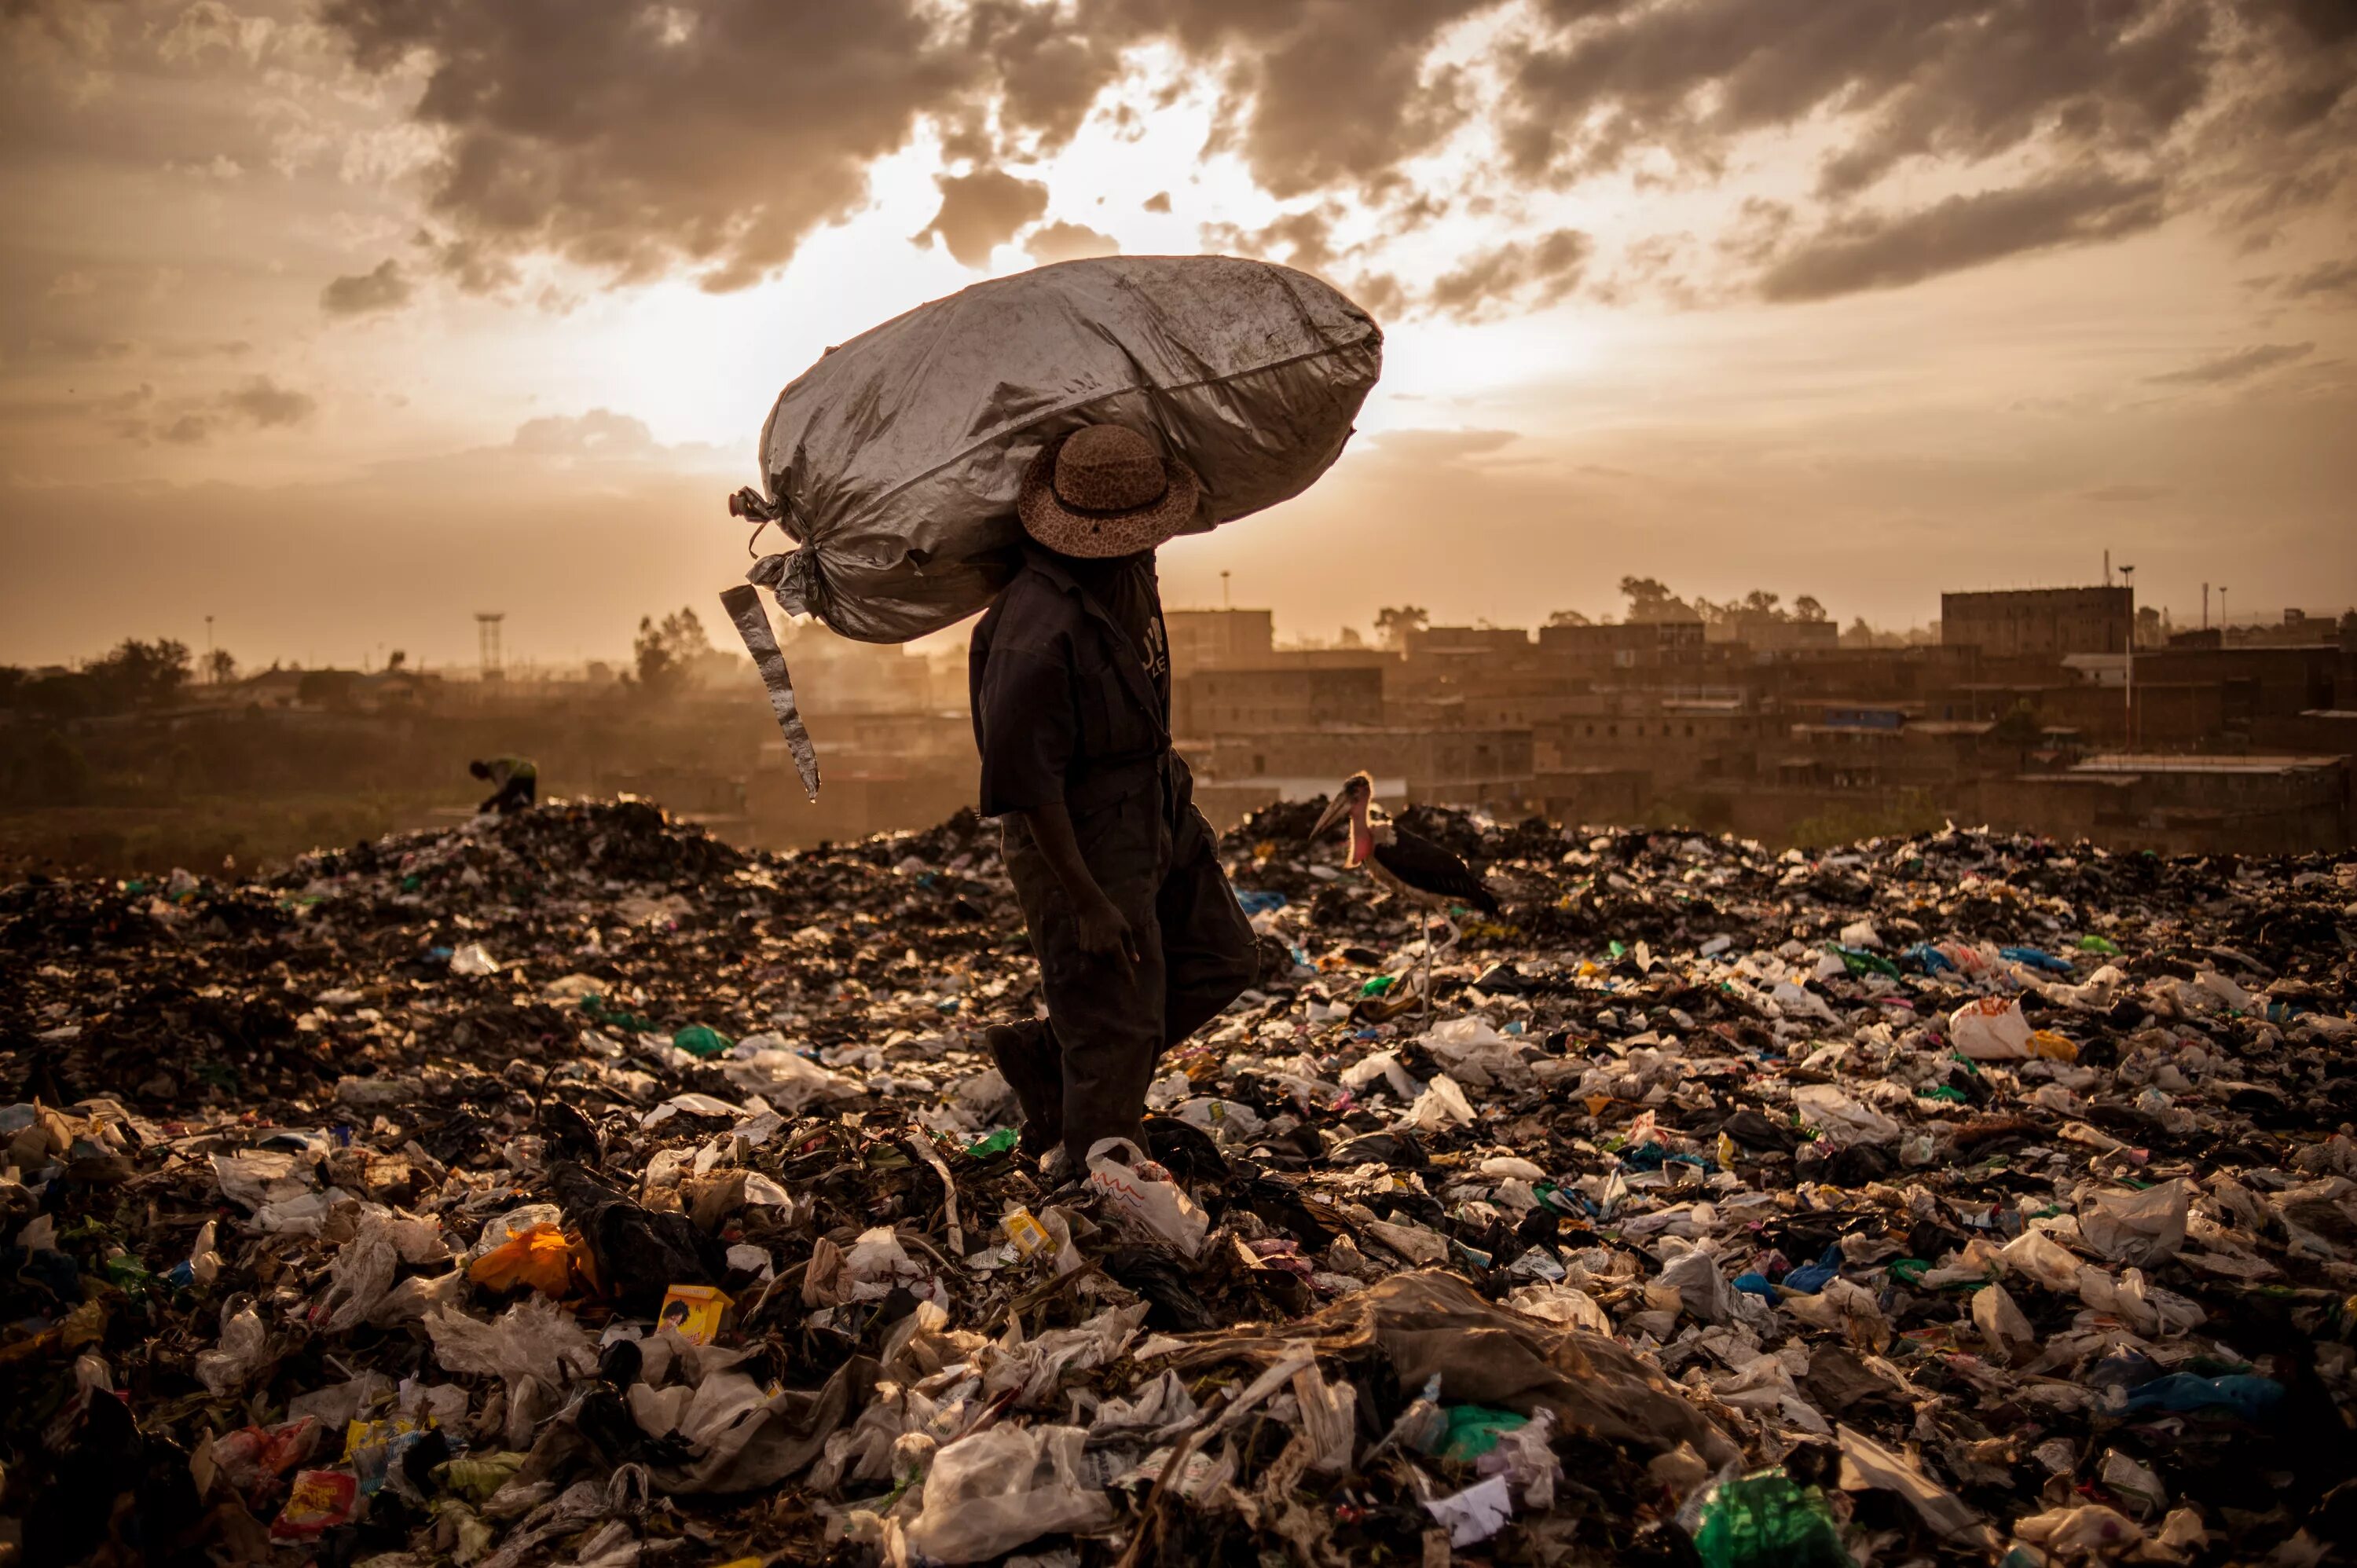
(1212, 639)
(1447, 766)
(2183, 805)
(1206, 702)
(2043, 622)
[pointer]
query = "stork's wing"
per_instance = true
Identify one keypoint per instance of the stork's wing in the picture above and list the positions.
(1428, 868)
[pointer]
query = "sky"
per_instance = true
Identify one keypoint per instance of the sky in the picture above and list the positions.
(339, 321)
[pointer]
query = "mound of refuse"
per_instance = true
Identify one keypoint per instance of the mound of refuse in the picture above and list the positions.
(571, 1187)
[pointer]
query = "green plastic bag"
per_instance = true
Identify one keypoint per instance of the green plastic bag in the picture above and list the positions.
(1474, 1430)
(702, 1040)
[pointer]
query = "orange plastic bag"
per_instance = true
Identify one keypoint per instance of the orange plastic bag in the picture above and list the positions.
(554, 1261)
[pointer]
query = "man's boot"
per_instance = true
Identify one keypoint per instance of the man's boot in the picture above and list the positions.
(1028, 1060)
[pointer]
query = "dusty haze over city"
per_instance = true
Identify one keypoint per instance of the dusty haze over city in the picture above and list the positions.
(339, 322)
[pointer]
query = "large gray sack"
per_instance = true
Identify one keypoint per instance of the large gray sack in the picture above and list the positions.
(893, 463)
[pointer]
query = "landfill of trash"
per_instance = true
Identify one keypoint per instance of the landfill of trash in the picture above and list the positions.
(572, 1187)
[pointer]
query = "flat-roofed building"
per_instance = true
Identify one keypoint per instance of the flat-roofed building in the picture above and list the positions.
(2038, 622)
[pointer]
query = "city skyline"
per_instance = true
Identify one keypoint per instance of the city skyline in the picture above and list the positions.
(334, 314)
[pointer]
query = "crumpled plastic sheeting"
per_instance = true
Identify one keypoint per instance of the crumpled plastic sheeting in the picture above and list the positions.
(895, 460)
(989, 1493)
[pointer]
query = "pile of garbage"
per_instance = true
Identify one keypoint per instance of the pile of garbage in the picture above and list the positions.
(573, 1187)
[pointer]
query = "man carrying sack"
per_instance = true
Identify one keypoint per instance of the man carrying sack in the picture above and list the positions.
(1139, 937)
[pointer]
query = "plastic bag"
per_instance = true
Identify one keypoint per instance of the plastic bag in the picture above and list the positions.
(894, 462)
(242, 1350)
(533, 1338)
(1144, 1194)
(787, 1079)
(547, 1258)
(1992, 1029)
(2145, 1227)
(989, 1493)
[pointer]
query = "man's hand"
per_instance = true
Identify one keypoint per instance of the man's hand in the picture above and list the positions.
(1103, 928)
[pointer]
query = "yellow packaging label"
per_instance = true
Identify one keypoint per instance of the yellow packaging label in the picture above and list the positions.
(1027, 1234)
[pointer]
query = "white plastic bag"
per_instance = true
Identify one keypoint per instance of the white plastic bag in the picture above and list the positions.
(2145, 1227)
(1991, 1030)
(242, 1350)
(1145, 1195)
(989, 1493)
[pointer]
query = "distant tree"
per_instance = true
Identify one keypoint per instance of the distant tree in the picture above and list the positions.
(1568, 618)
(1807, 609)
(1858, 634)
(220, 666)
(2019, 728)
(665, 653)
(1394, 622)
(398, 659)
(1760, 605)
(1650, 600)
(141, 674)
(1350, 638)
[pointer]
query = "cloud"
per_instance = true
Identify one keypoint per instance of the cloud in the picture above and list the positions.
(2324, 278)
(982, 210)
(1431, 447)
(1522, 275)
(1870, 250)
(266, 405)
(599, 433)
(360, 294)
(1157, 202)
(2224, 370)
(257, 403)
(1068, 243)
(638, 140)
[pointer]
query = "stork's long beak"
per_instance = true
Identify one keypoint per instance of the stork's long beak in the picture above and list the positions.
(1334, 812)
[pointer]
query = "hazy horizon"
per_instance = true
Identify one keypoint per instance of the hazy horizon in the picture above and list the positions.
(341, 322)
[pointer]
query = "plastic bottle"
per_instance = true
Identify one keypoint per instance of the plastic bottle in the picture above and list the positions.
(1768, 1520)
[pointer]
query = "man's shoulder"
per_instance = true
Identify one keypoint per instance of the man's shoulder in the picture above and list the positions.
(1032, 607)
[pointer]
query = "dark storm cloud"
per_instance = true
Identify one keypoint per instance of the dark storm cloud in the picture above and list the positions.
(982, 210)
(1964, 78)
(636, 140)
(385, 287)
(2239, 366)
(1871, 251)
(710, 137)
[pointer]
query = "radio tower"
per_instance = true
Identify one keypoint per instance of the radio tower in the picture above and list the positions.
(487, 631)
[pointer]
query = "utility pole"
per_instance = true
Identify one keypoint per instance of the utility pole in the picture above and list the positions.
(2225, 623)
(2128, 580)
(1226, 603)
(212, 676)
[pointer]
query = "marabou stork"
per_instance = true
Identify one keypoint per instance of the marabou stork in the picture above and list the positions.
(1405, 864)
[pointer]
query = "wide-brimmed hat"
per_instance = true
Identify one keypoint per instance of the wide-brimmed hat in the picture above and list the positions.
(1103, 490)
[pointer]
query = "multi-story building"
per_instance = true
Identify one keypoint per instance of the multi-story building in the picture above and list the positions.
(2044, 622)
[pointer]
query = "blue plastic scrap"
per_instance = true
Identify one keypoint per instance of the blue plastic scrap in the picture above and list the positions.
(2244, 1395)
